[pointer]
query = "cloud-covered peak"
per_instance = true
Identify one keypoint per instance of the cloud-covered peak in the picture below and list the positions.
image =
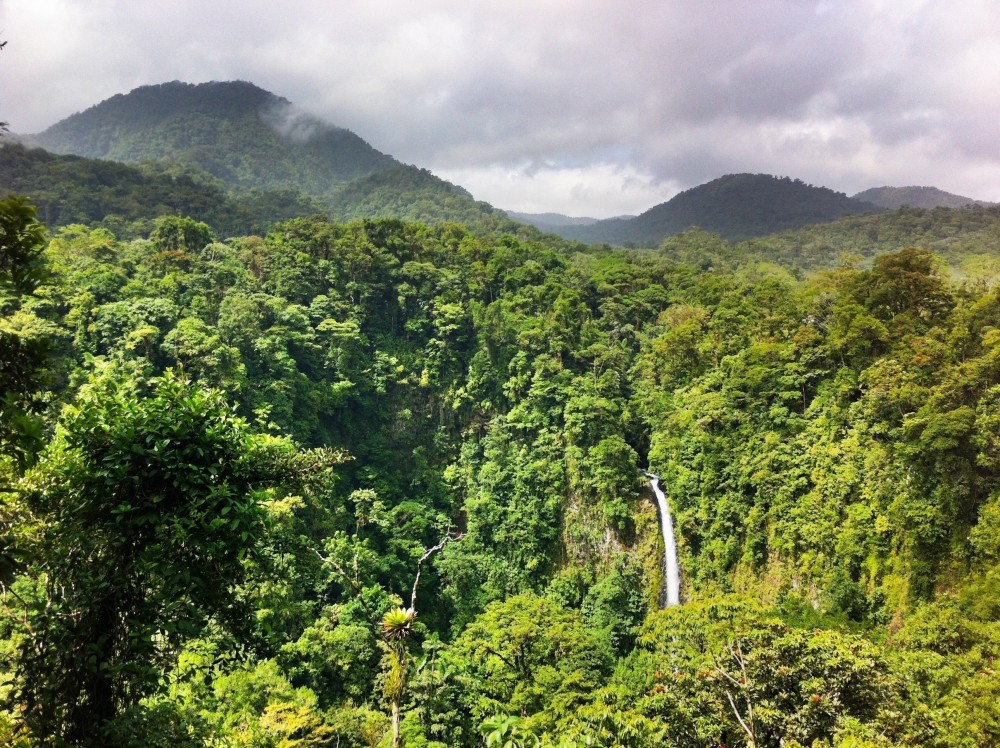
(591, 107)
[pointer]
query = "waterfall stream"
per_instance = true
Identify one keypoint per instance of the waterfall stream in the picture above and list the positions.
(670, 594)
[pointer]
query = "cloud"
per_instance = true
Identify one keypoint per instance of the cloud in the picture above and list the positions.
(613, 103)
(292, 123)
(595, 190)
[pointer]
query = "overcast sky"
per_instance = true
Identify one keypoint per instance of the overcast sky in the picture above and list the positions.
(586, 107)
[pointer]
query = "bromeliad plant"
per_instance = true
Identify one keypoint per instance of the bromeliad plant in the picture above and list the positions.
(397, 625)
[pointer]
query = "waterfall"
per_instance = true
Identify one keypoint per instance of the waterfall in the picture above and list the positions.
(671, 592)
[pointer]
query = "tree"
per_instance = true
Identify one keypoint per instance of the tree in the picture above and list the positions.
(727, 670)
(24, 338)
(178, 234)
(905, 282)
(22, 238)
(395, 627)
(147, 503)
(528, 655)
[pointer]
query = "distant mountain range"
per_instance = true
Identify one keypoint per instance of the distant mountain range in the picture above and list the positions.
(736, 206)
(234, 153)
(551, 221)
(915, 197)
(741, 206)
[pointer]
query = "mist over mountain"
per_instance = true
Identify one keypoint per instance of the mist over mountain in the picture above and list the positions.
(240, 133)
(250, 139)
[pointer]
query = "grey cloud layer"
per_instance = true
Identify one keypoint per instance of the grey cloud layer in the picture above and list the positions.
(587, 106)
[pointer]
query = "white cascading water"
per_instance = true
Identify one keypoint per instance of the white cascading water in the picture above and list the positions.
(671, 568)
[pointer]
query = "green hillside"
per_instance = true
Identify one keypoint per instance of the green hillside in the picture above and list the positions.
(967, 239)
(415, 195)
(70, 189)
(736, 207)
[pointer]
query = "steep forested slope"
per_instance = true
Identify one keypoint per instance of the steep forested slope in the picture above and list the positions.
(235, 131)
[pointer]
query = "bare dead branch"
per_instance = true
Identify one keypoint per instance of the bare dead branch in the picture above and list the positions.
(448, 538)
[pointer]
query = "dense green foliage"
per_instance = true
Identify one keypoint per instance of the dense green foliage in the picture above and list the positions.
(415, 195)
(966, 239)
(377, 483)
(24, 337)
(145, 515)
(736, 206)
(127, 199)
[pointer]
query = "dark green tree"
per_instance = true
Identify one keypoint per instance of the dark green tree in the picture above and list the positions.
(148, 502)
(23, 341)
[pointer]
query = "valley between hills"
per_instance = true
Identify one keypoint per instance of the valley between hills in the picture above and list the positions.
(304, 446)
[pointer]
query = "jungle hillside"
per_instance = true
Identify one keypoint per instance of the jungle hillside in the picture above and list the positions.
(359, 461)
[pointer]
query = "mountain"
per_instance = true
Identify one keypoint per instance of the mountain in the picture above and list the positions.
(548, 220)
(248, 138)
(237, 132)
(736, 207)
(915, 197)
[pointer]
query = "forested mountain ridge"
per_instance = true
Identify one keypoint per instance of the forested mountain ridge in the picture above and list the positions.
(377, 388)
(735, 206)
(237, 132)
(248, 139)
